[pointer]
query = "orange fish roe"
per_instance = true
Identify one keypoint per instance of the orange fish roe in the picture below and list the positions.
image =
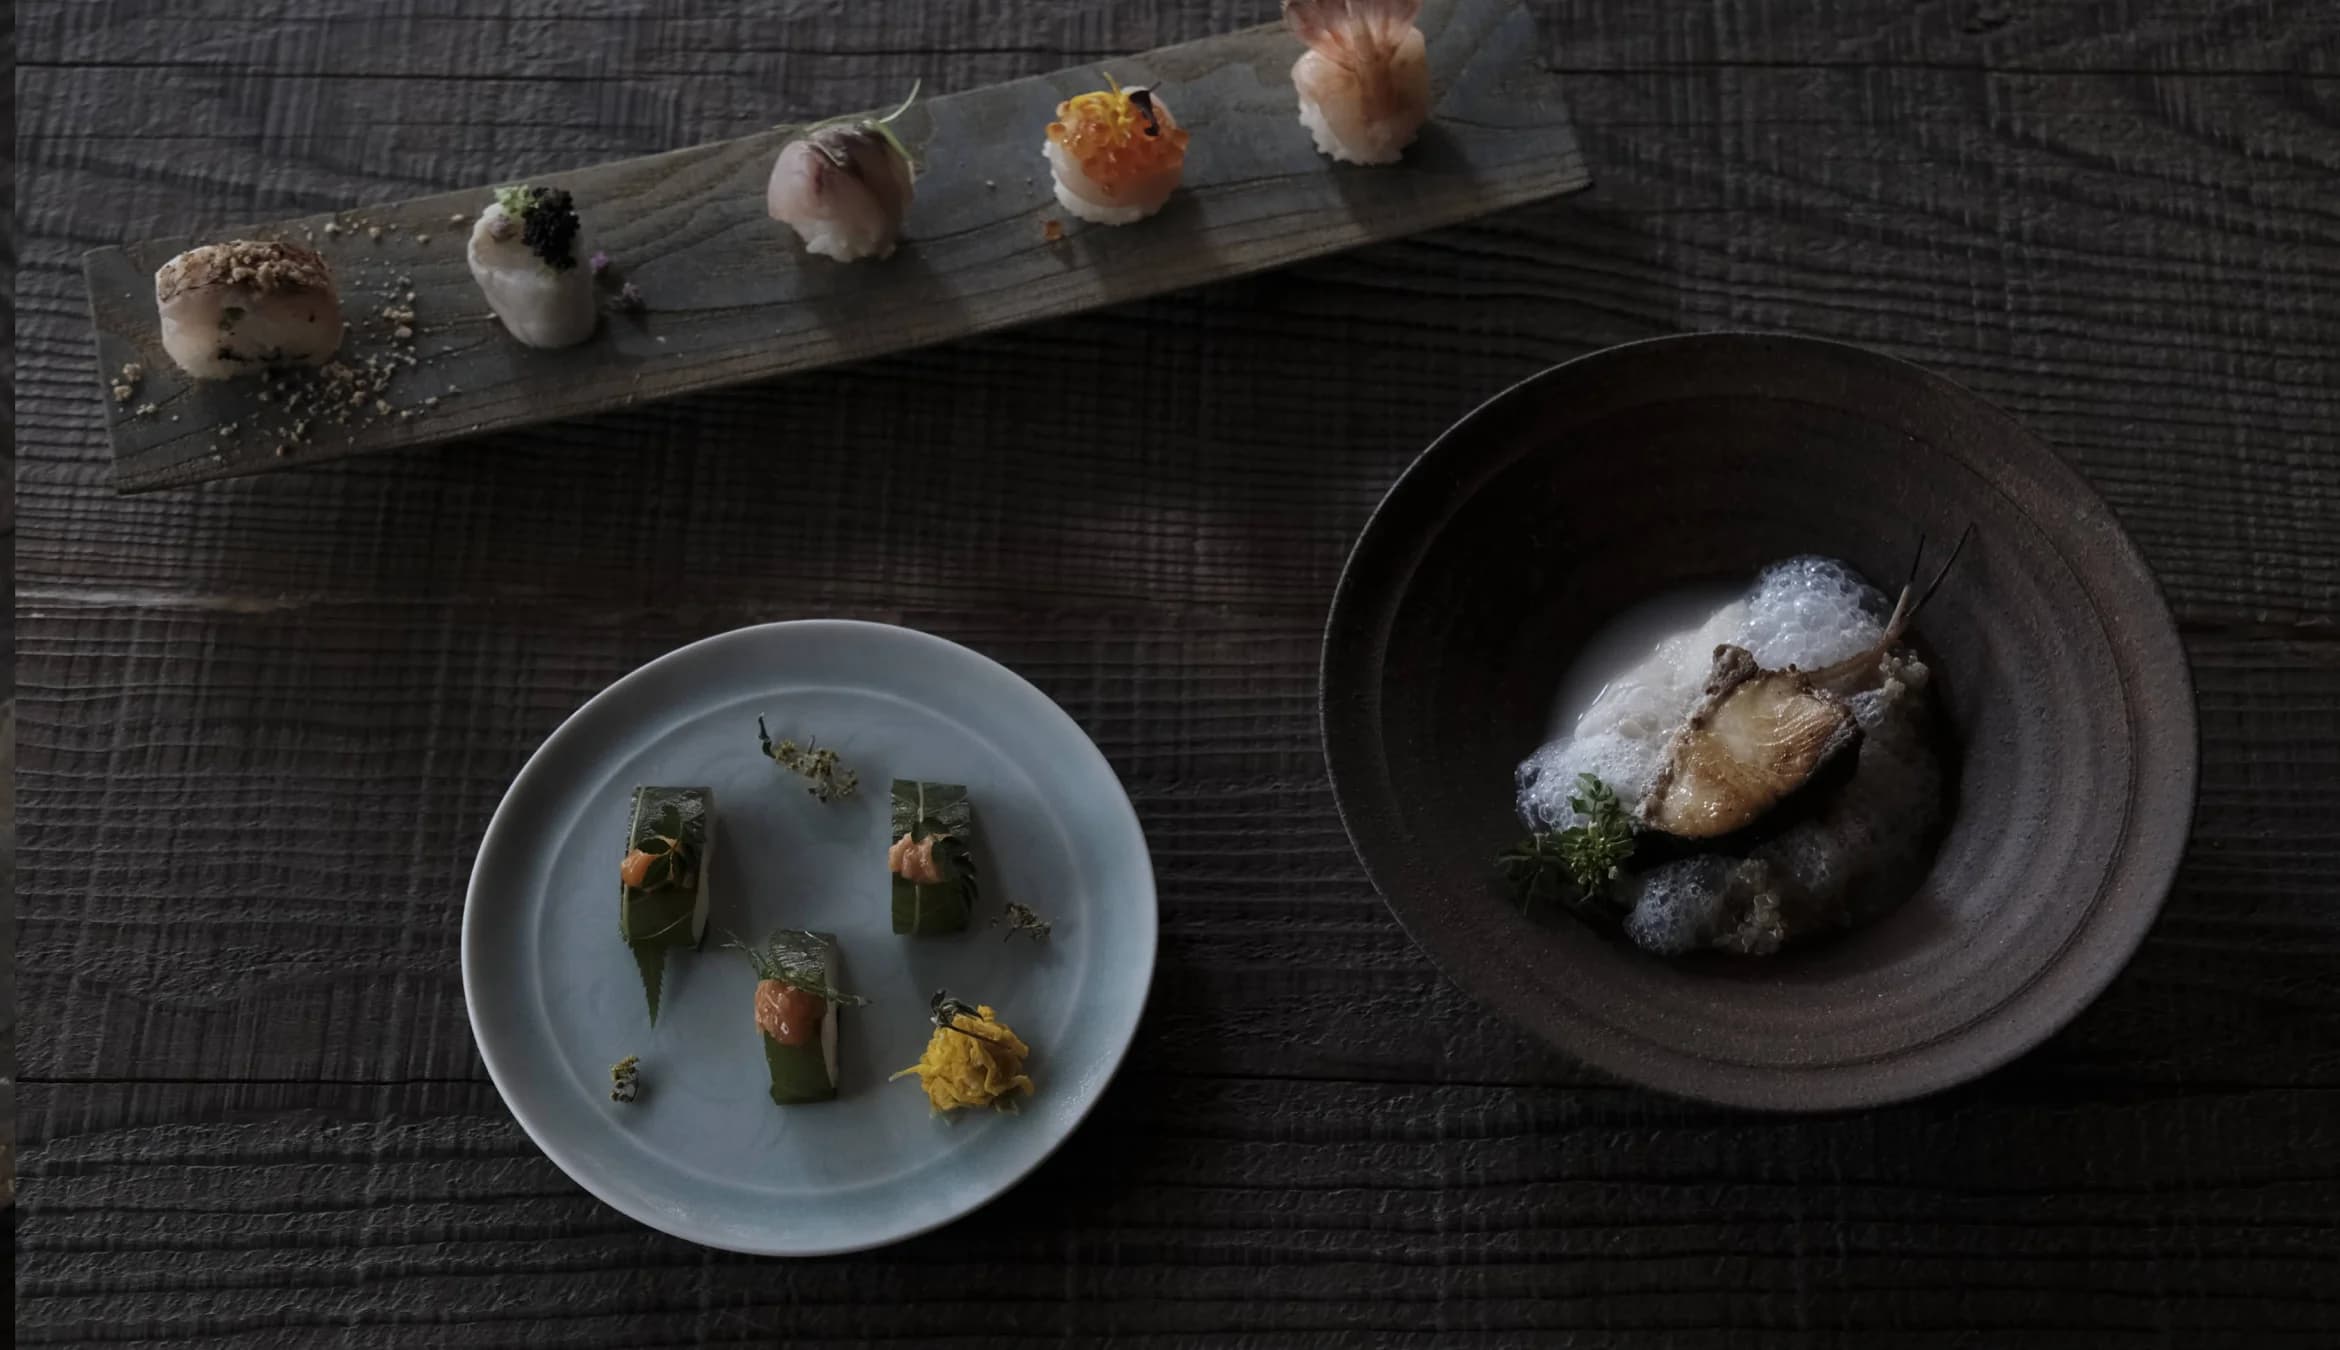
(1117, 137)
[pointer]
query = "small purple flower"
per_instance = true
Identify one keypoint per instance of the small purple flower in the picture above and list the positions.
(599, 263)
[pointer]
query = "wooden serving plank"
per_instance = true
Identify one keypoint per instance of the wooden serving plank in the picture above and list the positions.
(730, 296)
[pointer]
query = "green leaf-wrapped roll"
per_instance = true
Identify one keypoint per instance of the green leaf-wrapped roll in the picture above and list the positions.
(797, 1006)
(662, 884)
(933, 871)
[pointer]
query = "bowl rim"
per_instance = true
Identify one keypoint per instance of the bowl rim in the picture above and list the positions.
(2137, 879)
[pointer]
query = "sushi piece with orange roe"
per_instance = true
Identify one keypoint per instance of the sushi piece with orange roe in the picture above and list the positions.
(1116, 154)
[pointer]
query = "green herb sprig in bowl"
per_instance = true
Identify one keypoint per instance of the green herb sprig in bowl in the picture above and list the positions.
(1576, 867)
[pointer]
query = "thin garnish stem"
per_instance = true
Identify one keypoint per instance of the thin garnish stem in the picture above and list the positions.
(807, 128)
(914, 87)
(679, 922)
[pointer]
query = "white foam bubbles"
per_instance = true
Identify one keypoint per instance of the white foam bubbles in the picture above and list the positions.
(1679, 906)
(1636, 683)
(1637, 678)
(1811, 612)
(1623, 699)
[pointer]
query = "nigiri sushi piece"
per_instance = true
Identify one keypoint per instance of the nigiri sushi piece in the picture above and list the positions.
(244, 306)
(1364, 81)
(1116, 154)
(845, 187)
(525, 254)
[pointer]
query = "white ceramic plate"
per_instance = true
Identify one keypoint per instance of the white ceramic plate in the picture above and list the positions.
(704, 1154)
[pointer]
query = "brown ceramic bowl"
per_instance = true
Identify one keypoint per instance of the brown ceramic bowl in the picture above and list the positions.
(1605, 480)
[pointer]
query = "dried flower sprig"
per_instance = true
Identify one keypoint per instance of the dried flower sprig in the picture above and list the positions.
(826, 777)
(1022, 918)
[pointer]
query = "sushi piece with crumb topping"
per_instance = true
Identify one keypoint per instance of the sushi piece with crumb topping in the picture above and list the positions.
(1116, 155)
(245, 306)
(526, 253)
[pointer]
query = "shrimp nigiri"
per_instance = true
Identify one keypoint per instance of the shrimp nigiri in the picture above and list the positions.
(1364, 81)
(241, 307)
(845, 187)
(524, 254)
(1116, 155)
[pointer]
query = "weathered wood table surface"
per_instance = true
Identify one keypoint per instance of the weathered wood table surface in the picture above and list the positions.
(262, 724)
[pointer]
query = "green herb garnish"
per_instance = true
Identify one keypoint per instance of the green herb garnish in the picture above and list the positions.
(826, 778)
(1573, 867)
(799, 959)
(1022, 918)
(674, 859)
(650, 964)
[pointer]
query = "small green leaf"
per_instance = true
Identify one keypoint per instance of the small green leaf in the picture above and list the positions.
(651, 962)
(800, 959)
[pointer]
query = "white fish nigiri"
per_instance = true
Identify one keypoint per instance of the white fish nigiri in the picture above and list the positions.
(1364, 81)
(845, 187)
(244, 306)
(1116, 154)
(526, 254)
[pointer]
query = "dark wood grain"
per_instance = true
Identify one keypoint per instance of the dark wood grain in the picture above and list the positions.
(1479, 1213)
(8, 658)
(732, 298)
(263, 722)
